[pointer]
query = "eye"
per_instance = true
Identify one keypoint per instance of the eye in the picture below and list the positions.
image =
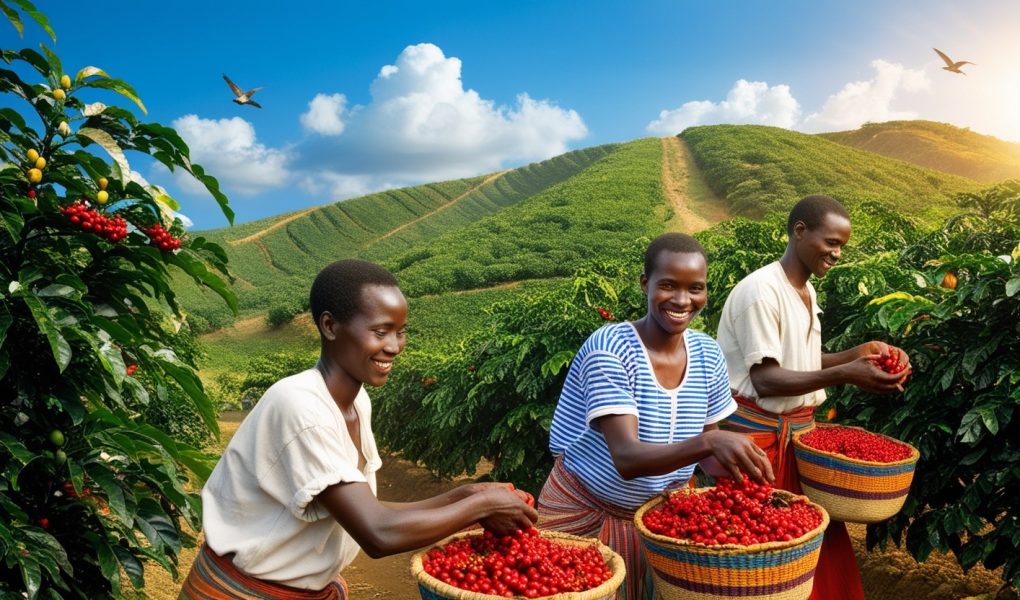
(380, 333)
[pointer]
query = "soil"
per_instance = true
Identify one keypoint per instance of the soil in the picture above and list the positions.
(886, 575)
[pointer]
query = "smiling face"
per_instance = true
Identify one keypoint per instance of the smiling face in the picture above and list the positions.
(677, 290)
(364, 347)
(819, 248)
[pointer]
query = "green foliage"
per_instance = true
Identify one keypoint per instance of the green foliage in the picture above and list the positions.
(763, 169)
(76, 310)
(598, 212)
(493, 397)
(242, 389)
(276, 259)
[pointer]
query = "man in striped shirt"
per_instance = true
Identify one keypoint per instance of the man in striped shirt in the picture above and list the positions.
(639, 409)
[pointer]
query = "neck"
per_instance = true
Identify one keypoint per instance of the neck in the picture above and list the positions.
(654, 338)
(794, 269)
(342, 387)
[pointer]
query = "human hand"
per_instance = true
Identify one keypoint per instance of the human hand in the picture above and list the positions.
(508, 511)
(736, 453)
(866, 373)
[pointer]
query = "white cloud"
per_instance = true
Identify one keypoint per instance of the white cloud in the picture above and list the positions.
(858, 102)
(325, 114)
(228, 150)
(752, 102)
(421, 124)
(870, 100)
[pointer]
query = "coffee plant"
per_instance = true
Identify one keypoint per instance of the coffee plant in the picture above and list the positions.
(94, 481)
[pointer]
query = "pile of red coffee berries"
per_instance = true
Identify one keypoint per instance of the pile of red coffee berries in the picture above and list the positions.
(114, 229)
(890, 363)
(161, 238)
(605, 314)
(524, 564)
(742, 513)
(856, 443)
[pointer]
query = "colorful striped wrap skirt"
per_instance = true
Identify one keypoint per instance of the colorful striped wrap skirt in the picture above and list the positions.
(566, 505)
(213, 577)
(837, 576)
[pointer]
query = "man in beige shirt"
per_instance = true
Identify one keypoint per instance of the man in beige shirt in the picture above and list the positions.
(770, 334)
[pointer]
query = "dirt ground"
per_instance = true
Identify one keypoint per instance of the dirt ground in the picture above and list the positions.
(887, 576)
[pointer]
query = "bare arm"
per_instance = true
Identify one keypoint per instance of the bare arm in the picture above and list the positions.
(634, 458)
(381, 530)
(854, 366)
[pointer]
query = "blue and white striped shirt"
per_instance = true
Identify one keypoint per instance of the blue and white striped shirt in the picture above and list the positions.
(612, 375)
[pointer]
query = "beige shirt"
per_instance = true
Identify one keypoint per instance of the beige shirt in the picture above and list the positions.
(260, 501)
(764, 317)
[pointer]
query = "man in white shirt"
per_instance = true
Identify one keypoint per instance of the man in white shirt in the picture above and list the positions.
(770, 334)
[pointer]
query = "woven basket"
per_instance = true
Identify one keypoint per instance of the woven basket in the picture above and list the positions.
(434, 589)
(854, 490)
(771, 571)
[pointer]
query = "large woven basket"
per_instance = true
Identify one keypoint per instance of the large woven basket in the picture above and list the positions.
(434, 589)
(854, 490)
(691, 571)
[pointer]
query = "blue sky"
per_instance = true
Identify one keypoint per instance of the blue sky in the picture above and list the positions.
(364, 96)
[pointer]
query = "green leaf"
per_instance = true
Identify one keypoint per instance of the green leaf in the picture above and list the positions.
(37, 16)
(157, 526)
(192, 264)
(1013, 286)
(56, 69)
(16, 448)
(106, 141)
(57, 290)
(118, 86)
(62, 352)
(87, 72)
(30, 574)
(191, 384)
(14, 18)
(107, 480)
(46, 542)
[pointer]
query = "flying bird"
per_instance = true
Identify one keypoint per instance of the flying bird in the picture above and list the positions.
(952, 67)
(241, 96)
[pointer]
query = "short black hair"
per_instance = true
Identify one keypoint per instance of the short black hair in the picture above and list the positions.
(670, 242)
(811, 210)
(337, 287)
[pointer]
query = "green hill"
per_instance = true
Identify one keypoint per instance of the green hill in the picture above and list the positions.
(274, 259)
(759, 169)
(937, 146)
(546, 219)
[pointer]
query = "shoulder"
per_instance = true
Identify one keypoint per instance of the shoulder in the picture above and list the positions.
(760, 285)
(611, 337)
(703, 345)
(298, 401)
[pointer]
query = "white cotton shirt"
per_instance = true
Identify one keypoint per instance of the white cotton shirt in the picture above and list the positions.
(764, 317)
(259, 503)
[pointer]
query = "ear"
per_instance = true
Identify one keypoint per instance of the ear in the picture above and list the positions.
(798, 229)
(644, 284)
(327, 325)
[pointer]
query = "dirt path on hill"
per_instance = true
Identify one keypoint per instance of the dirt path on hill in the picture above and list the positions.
(695, 206)
(440, 209)
(272, 228)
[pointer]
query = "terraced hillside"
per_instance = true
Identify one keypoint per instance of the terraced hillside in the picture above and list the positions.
(937, 146)
(546, 219)
(274, 259)
(759, 168)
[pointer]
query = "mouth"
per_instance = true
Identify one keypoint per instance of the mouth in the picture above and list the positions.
(679, 316)
(383, 366)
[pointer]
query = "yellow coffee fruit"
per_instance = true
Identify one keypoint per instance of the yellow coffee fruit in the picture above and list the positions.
(102, 196)
(34, 175)
(40, 163)
(59, 94)
(64, 129)
(65, 82)
(32, 155)
(103, 183)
